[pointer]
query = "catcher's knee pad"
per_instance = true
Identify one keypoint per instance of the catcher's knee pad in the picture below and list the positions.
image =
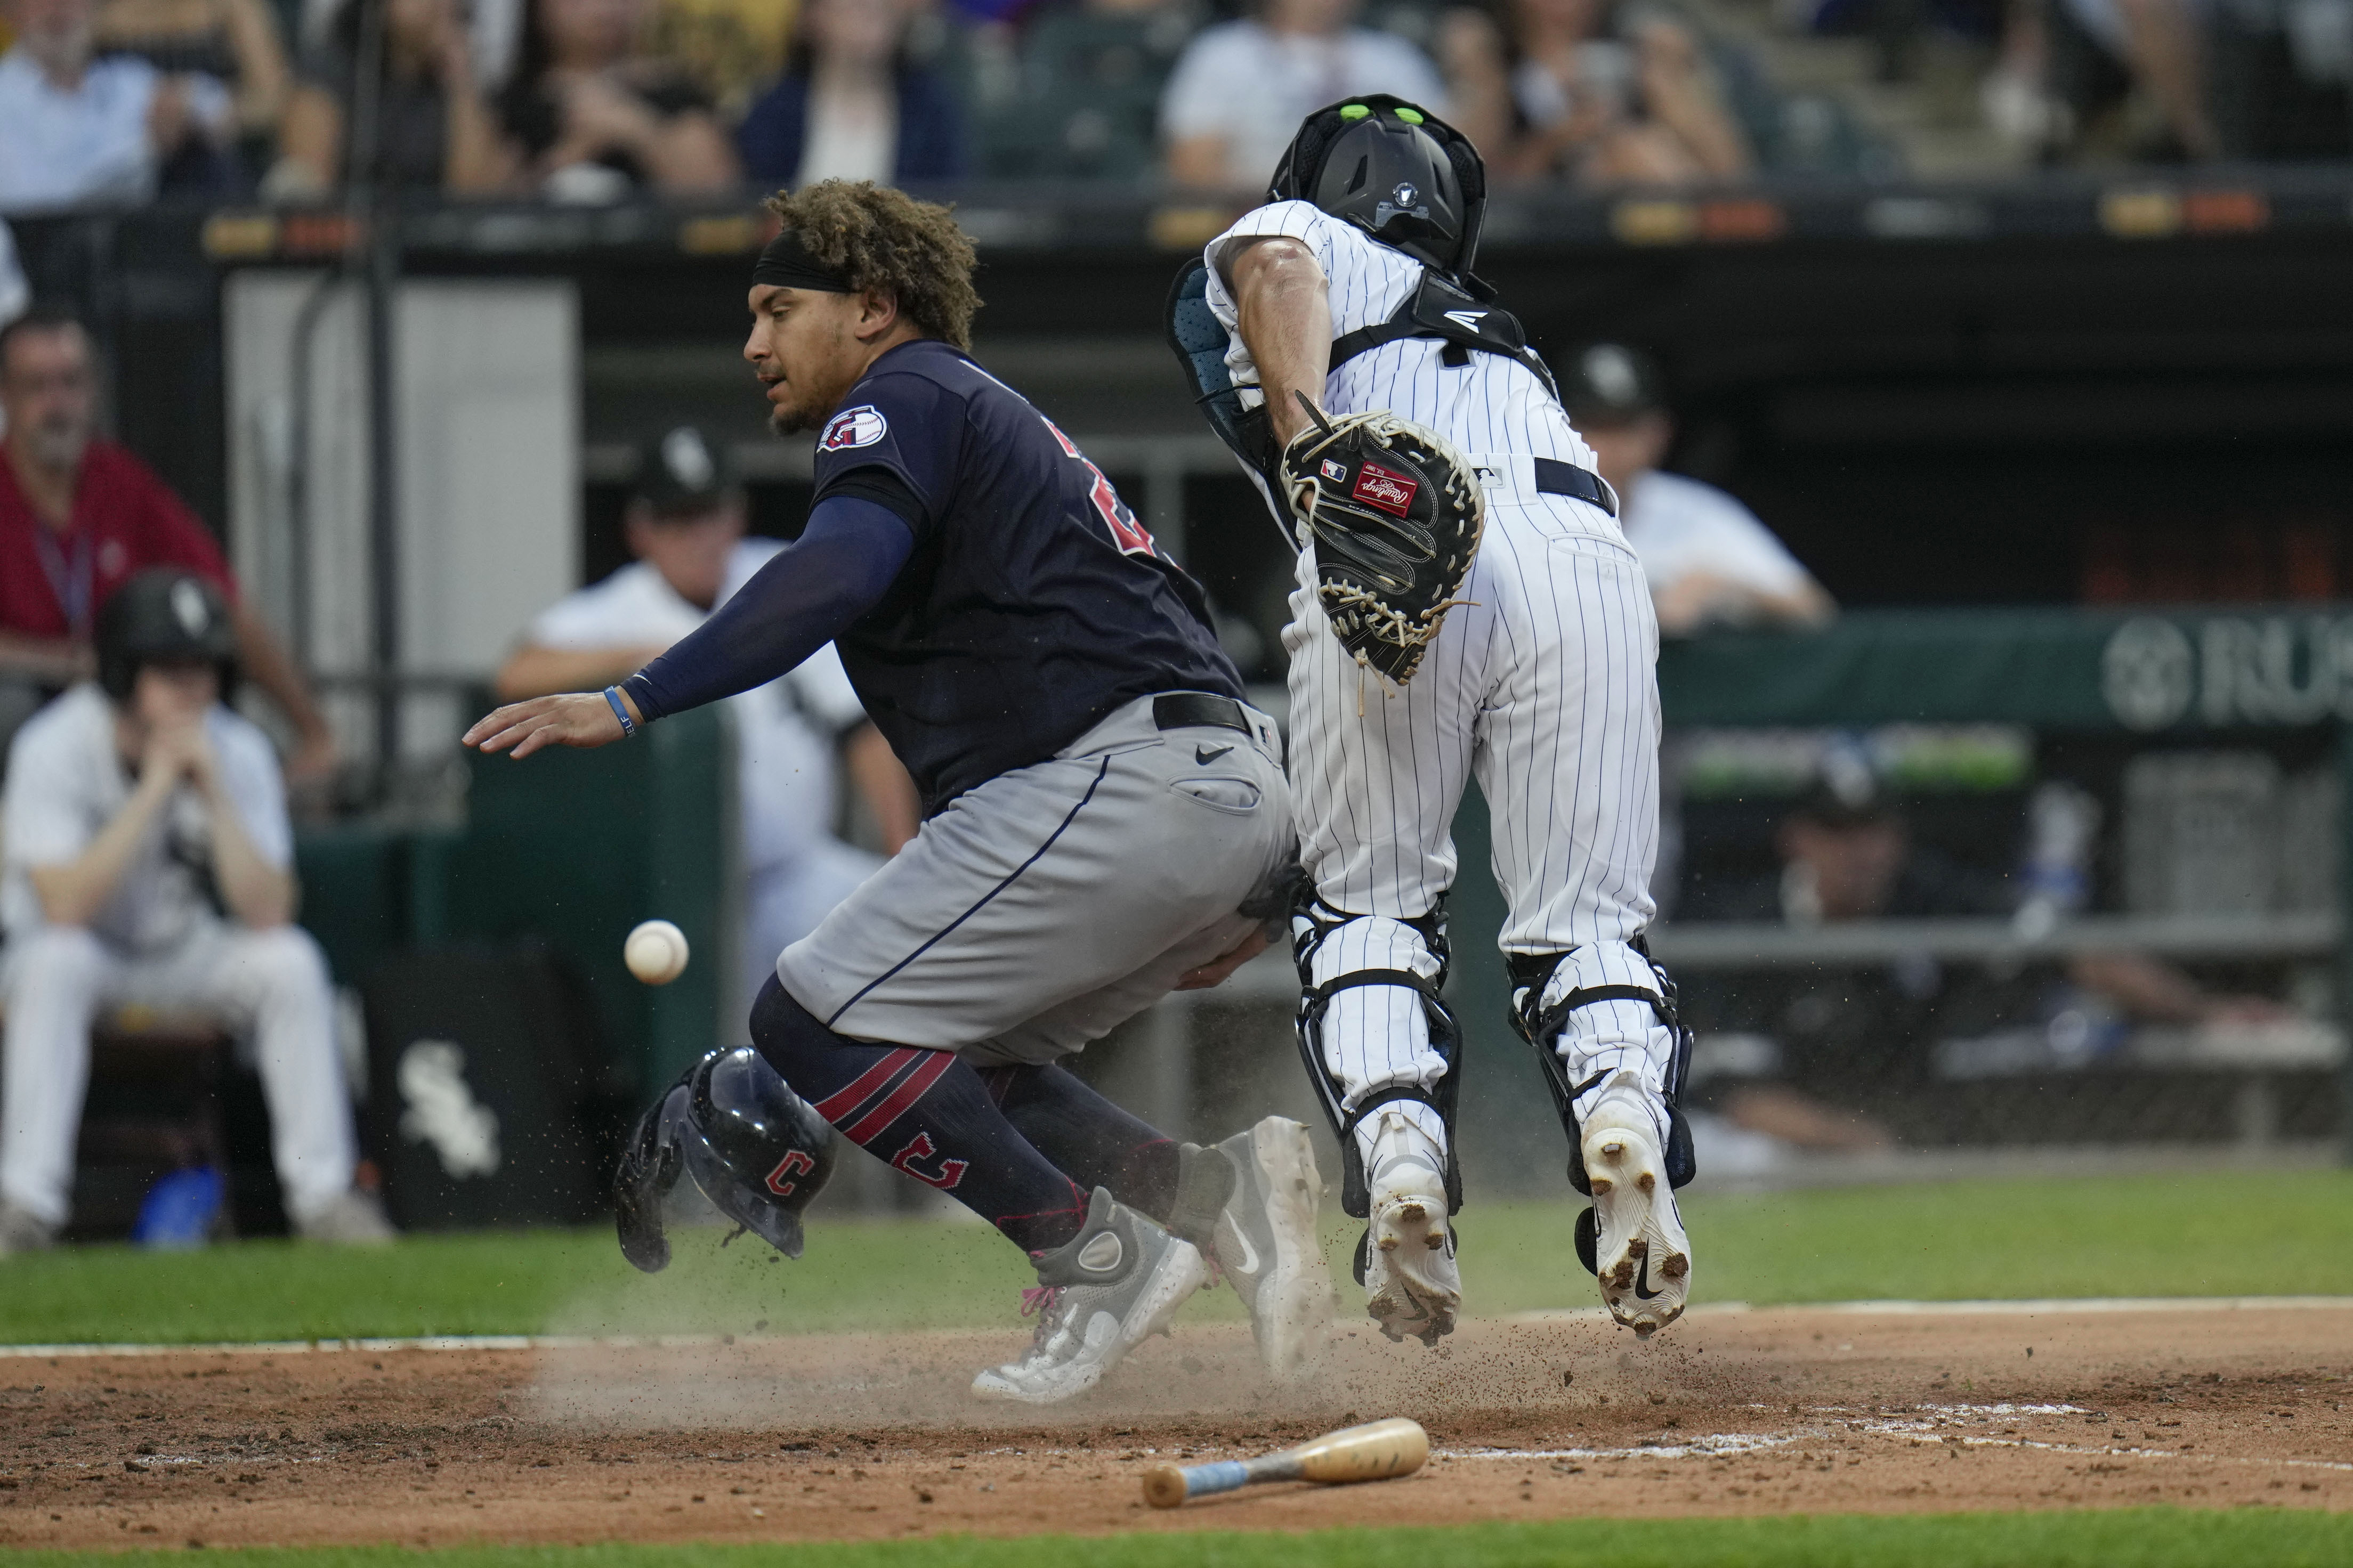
(1545, 1003)
(1313, 924)
(754, 1148)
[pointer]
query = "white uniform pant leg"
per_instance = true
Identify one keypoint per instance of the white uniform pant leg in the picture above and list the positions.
(1568, 740)
(1377, 1037)
(272, 986)
(1377, 771)
(1600, 1039)
(57, 977)
(1568, 760)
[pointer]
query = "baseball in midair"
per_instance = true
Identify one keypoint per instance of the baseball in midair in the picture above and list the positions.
(655, 953)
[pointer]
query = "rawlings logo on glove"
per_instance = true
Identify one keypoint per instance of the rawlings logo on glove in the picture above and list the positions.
(1393, 512)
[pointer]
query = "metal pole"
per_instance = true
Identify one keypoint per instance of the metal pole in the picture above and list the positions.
(2344, 951)
(383, 453)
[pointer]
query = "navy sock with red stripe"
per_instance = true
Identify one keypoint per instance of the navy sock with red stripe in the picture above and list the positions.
(1097, 1143)
(923, 1113)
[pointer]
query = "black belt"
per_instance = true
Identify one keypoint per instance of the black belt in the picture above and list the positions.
(1199, 711)
(1554, 478)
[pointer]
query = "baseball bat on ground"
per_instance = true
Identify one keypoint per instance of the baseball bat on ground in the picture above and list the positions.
(1373, 1452)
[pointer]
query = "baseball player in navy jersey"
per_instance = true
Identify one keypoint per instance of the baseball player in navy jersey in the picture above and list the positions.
(1100, 808)
(1352, 289)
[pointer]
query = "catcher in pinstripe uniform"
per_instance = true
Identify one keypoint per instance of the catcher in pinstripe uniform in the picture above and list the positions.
(1466, 606)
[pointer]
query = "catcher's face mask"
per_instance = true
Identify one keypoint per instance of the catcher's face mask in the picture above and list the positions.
(1394, 170)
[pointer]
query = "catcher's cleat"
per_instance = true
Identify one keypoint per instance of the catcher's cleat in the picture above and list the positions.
(1099, 1296)
(1413, 1286)
(1264, 1241)
(1638, 1251)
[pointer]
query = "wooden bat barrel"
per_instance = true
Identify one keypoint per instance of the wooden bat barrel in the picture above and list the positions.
(1375, 1451)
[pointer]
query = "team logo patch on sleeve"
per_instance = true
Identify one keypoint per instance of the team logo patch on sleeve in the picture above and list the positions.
(860, 426)
(1376, 486)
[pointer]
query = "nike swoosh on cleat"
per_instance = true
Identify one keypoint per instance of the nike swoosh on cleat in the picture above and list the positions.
(1209, 753)
(1642, 1291)
(1246, 1264)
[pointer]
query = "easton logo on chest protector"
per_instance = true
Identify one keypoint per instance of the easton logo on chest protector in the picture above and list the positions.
(860, 426)
(1390, 492)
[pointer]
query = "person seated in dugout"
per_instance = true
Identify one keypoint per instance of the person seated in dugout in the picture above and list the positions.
(1847, 853)
(1709, 560)
(79, 515)
(148, 861)
(792, 736)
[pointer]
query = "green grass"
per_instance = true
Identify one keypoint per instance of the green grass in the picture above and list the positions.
(2136, 1538)
(2172, 1236)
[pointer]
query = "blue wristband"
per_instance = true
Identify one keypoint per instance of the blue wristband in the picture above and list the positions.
(629, 725)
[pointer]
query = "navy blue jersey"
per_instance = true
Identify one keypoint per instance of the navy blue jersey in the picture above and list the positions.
(1033, 604)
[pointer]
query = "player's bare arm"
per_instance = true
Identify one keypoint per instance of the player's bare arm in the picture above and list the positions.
(1286, 323)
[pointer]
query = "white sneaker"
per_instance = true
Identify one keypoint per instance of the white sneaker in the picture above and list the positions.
(22, 1230)
(350, 1219)
(1100, 1295)
(1265, 1241)
(1411, 1284)
(1641, 1254)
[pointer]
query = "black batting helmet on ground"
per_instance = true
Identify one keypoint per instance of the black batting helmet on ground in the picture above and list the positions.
(164, 614)
(1394, 170)
(754, 1147)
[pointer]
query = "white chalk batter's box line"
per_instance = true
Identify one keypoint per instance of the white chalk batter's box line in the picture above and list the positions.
(2030, 1308)
(1917, 1433)
(1559, 1315)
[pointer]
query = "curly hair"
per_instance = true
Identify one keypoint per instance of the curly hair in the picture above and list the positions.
(887, 241)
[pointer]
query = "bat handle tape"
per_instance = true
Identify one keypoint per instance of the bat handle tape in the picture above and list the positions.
(1223, 1476)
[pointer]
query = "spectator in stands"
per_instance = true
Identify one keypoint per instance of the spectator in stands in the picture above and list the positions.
(685, 525)
(148, 861)
(851, 106)
(235, 42)
(1597, 94)
(1242, 88)
(2104, 53)
(732, 47)
(594, 117)
(1083, 103)
(79, 515)
(1709, 560)
(77, 130)
(435, 130)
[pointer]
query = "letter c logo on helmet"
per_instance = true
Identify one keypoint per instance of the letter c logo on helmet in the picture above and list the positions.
(1394, 170)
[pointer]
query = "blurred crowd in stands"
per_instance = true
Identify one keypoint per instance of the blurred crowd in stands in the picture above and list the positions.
(109, 101)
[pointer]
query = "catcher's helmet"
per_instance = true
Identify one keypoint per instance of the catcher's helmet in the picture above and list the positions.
(1394, 170)
(754, 1147)
(163, 613)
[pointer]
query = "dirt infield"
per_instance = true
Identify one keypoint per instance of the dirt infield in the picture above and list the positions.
(1728, 1413)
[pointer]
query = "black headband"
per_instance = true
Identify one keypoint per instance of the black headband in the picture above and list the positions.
(786, 263)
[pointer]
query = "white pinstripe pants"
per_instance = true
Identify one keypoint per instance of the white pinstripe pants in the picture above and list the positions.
(1543, 687)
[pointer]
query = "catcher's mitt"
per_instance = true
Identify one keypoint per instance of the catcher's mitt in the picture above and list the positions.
(1393, 512)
